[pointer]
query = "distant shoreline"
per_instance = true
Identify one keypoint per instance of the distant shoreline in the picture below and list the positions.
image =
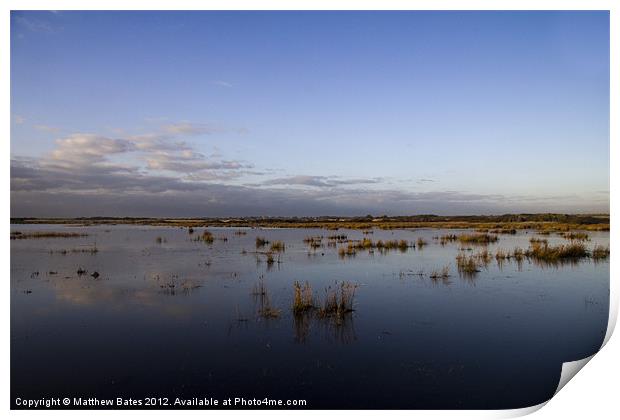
(543, 221)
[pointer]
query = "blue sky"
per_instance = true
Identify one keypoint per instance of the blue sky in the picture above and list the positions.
(308, 113)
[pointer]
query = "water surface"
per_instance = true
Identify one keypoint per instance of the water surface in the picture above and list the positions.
(178, 318)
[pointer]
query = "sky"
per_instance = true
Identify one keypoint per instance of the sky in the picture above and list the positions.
(219, 114)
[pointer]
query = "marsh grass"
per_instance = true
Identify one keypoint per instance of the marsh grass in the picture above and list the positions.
(349, 251)
(338, 300)
(401, 245)
(44, 235)
(467, 265)
(270, 260)
(551, 254)
(501, 256)
(484, 257)
(477, 238)
(261, 242)
(206, 237)
(600, 252)
(303, 298)
(369, 245)
(314, 242)
(504, 231)
(278, 246)
(442, 274)
(540, 241)
(267, 310)
(443, 240)
(89, 250)
(420, 243)
(576, 236)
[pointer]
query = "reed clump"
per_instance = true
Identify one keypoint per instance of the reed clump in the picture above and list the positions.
(349, 251)
(261, 242)
(540, 241)
(303, 298)
(278, 246)
(467, 264)
(543, 252)
(443, 240)
(338, 300)
(477, 238)
(518, 254)
(421, 243)
(442, 274)
(314, 242)
(268, 311)
(504, 231)
(401, 245)
(600, 252)
(206, 237)
(576, 236)
(500, 254)
(484, 257)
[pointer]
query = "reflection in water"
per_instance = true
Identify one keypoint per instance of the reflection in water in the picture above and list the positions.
(338, 329)
(301, 325)
(341, 329)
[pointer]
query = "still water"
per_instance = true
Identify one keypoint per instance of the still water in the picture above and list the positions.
(173, 317)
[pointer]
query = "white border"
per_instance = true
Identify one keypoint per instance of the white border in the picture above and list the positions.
(593, 394)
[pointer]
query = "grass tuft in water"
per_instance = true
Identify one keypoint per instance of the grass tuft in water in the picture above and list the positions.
(261, 242)
(303, 299)
(338, 300)
(477, 238)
